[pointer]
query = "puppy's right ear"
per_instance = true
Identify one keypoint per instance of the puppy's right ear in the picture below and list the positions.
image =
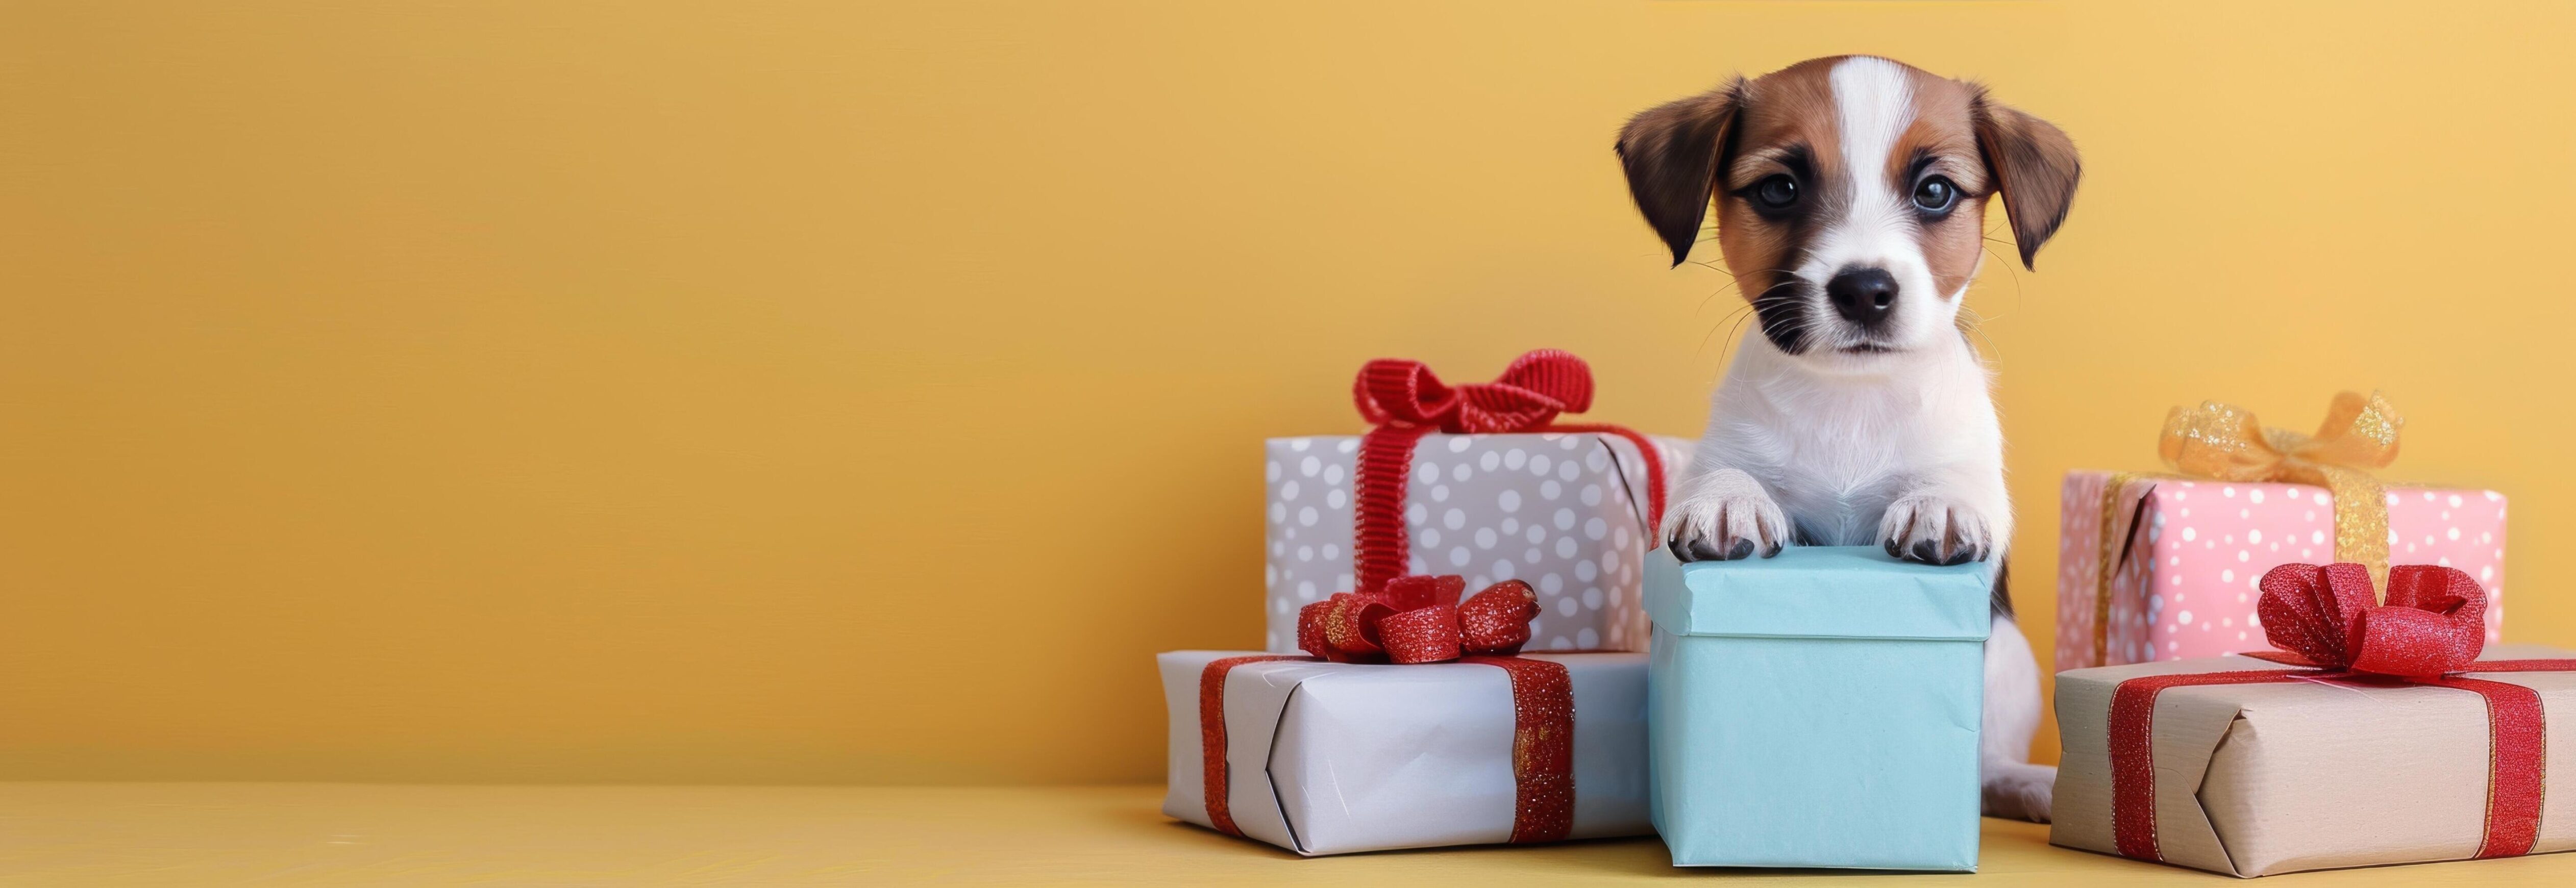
(1671, 152)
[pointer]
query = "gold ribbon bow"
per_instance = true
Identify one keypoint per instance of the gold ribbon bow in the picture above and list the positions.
(2223, 442)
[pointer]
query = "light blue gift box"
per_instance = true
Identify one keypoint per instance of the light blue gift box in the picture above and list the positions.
(1818, 708)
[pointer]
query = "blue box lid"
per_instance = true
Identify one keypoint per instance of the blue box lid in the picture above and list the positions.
(1820, 592)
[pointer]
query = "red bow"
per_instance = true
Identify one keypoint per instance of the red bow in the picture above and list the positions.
(2434, 622)
(1405, 402)
(1418, 619)
(1538, 386)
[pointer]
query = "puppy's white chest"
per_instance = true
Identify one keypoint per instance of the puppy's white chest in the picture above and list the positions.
(1839, 476)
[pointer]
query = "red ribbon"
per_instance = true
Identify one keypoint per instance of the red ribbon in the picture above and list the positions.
(1212, 735)
(2428, 632)
(1405, 401)
(1542, 747)
(1542, 743)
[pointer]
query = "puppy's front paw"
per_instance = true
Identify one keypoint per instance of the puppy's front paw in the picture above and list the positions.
(1936, 530)
(1725, 526)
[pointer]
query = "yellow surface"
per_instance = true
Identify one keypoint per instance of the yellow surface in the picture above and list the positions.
(68, 834)
(604, 390)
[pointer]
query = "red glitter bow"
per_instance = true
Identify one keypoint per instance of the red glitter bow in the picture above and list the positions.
(1405, 401)
(1418, 619)
(2428, 632)
(2432, 624)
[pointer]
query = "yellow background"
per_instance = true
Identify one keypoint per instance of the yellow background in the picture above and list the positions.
(832, 392)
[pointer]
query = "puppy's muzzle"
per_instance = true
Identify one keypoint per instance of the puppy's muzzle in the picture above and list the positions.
(1864, 296)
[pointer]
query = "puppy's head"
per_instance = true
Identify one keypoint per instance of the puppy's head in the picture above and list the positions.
(1851, 196)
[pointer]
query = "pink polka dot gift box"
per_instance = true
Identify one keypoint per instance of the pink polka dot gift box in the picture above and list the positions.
(1563, 511)
(2156, 567)
(2196, 550)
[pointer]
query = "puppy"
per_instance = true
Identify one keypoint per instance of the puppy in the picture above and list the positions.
(1851, 197)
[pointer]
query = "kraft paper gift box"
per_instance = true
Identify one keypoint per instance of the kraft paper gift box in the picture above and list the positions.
(1565, 511)
(1819, 708)
(2187, 554)
(1332, 758)
(2277, 777)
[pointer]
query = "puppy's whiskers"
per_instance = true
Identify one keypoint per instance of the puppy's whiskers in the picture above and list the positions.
(1990, 237)
(2016, 279)
(1733, 321)
(1731, 284)
(1790, 325)
(1973, 324)
(1711, 297)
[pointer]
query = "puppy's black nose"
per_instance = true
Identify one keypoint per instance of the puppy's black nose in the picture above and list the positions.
(1863, 296)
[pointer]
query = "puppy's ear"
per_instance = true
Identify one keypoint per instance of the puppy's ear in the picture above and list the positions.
(2034, 164)
(1671, 153)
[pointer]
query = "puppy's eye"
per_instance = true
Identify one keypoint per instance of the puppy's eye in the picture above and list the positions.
(1777, 192)
(1935, 195)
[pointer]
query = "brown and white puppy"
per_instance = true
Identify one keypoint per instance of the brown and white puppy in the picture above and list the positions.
(1851, 197)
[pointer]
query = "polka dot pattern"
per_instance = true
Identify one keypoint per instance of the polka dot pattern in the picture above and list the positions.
(2200, 548)
(1564, 512)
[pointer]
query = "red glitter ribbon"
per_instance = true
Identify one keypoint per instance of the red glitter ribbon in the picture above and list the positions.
(1542, 747)
(1212, 735)
(2428, 632)
(1542, 742)
(1405, 401)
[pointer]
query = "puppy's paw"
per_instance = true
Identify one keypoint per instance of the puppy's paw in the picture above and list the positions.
(2018, 791)
(1725, 526)
(1936, 530)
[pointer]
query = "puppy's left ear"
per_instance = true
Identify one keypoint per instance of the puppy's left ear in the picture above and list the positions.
(2034, 164)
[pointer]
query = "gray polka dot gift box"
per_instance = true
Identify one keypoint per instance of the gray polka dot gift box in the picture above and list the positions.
(1563, 508)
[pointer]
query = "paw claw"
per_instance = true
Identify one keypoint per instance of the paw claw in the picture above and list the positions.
(1930, 530)
(1728, 519)
(1699, 550)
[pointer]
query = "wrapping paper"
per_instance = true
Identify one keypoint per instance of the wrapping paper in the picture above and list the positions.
(1332, 758)
(1562, 511)
(2196, 549)
(2260, 779)
(1817, 709)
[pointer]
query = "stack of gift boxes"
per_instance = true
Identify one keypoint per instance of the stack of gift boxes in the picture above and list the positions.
(2230, 702)
(1474, 639)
